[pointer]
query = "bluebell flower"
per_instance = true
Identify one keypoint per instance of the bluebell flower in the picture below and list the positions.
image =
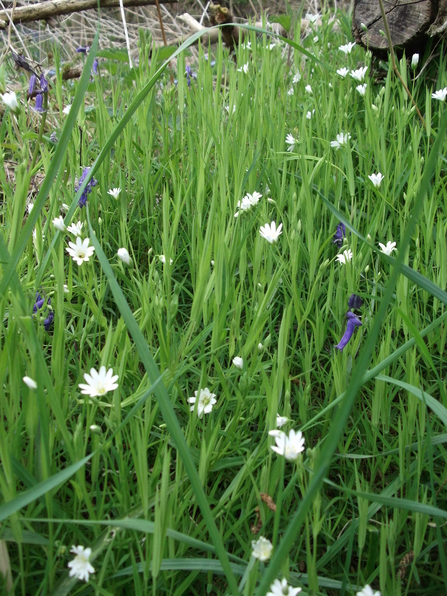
(43, 84)
(87, 189)
(32, 84)
(83, 50)
(48, 321)
(339, 235)
(353, 322)
(188, 75)
(38, 305)
(354, 301)
(39, 103)
(95, 66)
(39, 302)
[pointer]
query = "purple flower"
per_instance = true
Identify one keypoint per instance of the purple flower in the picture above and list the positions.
(355, 301)
(39, 103)
(43, 84)
(49, 320)
(339, 234)
(32, 84)
(95, 66)
(38, 305)
(83, 50)
(87, 189)
(39, 302)
(353, 322)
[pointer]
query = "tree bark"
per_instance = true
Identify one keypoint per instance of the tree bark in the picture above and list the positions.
(411, 23)
(53, 8)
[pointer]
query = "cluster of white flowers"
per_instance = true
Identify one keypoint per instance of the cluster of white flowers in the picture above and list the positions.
(247, 202)
(341, 140)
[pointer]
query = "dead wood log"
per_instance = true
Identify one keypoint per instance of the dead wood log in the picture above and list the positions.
(53, 8)
(411, 23)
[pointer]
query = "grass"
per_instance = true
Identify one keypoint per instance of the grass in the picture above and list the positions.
(167, 500)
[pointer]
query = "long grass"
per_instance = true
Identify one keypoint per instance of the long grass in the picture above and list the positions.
(170, 501)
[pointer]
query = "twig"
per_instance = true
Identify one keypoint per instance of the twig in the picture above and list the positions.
(123, 18)
(393, 62)
(161, 23)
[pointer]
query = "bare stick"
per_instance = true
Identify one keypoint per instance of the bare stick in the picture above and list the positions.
(45, 10)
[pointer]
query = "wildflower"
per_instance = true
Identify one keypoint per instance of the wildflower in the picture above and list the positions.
(114, 192)
(95, 66)
(290, 91)
(308, 88)
(81, 251)
(38, 305)
(88, 189)
(362, 89)
(354, 301)
(249, 201)
(312, 18)
(441, 94)
(347, 49)
(280, 420)
(124, 256)
(163, 259)
(414, 61)
(296, 78)
(83, 50)
(39, 103)
(367, 591)
(270, 232)
(262, 549)
(205, 403)
(288, 446)
(389, 248)
(10, 99)
(359, 74)
(343, 71)
(260, 346)
(310, 114)
(282, 588)
(32, 84)
(99, 383)
(58, 222)
(227, 108)
(246, 45)
(244, 68)
(345, 257)
(47, 322)
(80, 568)
(340, 233)
(66, 110)
(238, 362)
(353, 322)
(342, 139)
(75, 229)
(271, 46)
(376, 179)
(30, 382)
(189, 74)
(291, 141)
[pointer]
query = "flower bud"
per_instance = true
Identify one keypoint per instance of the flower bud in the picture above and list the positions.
(124, 256)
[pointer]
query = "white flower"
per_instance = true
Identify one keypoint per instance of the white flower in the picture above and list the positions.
(163, 259)
(65, 207)
(248, 202)
(291, 141)
(289, 446)
(99, 383)
(58, 222)
(124, 256)
(30, 382)
(260, 347)
(67, 109)
(262, 549)
(282, 588)
(312, 18)
(342, 139)
(376, 179)
(296, 78)
(308, 88)
(359, 74)
(271, 46)
(81, 251)
(310, 114)
(343, 71)
(76, 229)
(206, 401)
(281, 420)
(414, 61)
(80, 568)
(29, 207)
(244, 68)
(347, 49)
(114, 192)
(246, 45)
(290, 91)
(238, 362)
(10, 99)
(270, 232)
(227, 108)
(441, 94)
(66, 290)
(362, 88)
(388, 249)
(315, 39)
(344, 257)
(367, 591)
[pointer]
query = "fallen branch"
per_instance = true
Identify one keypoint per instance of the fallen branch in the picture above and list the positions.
(53, 8)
